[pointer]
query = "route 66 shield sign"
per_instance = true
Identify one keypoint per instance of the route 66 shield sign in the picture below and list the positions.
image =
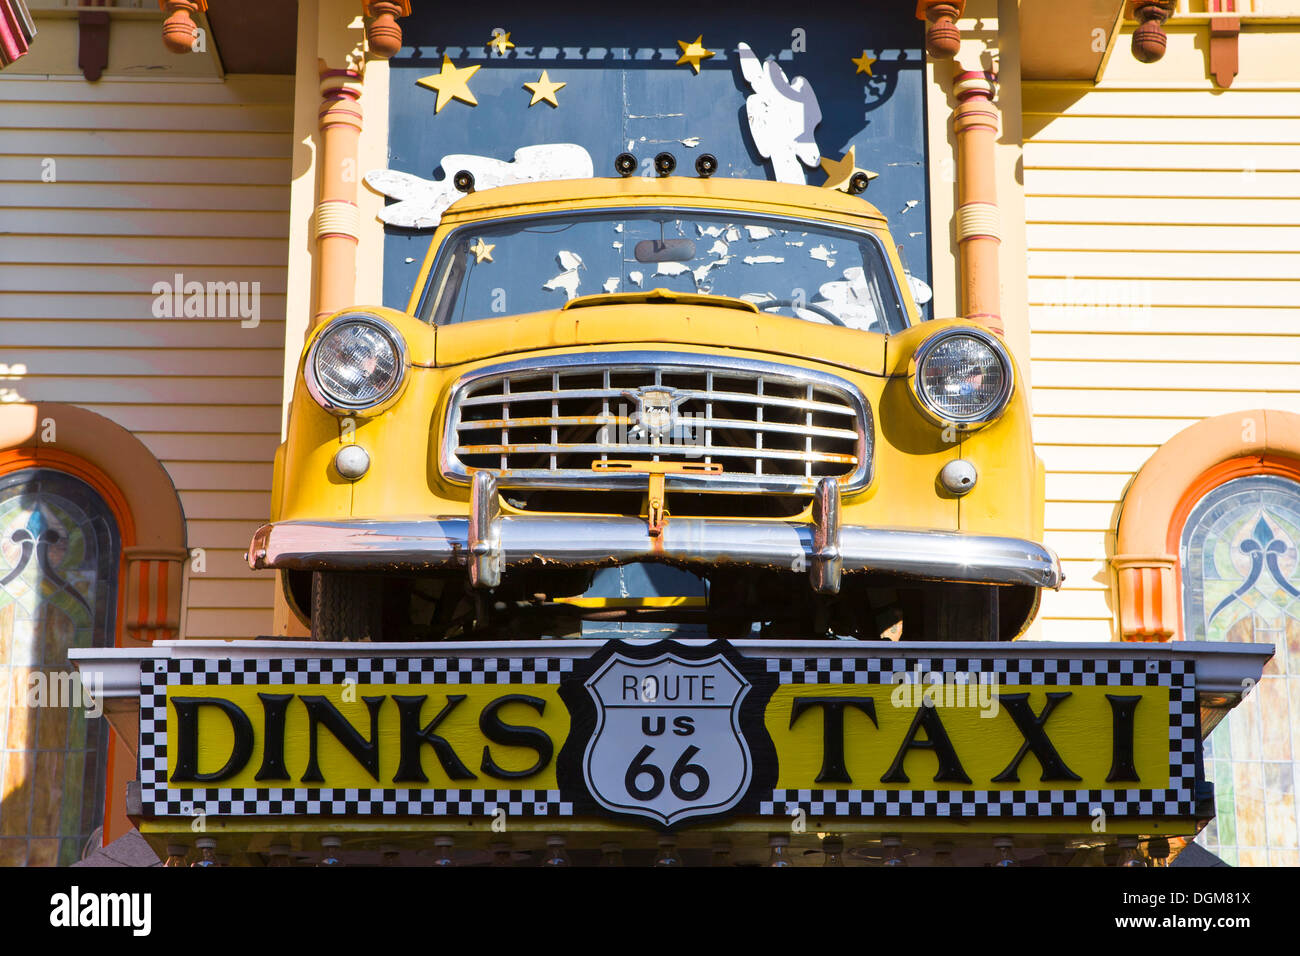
(667, 744)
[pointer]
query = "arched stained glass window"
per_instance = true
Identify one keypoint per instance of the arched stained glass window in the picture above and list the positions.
(59, 552)
(1241, 583)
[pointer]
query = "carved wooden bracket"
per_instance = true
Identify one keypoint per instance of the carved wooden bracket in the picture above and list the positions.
(1149, 39)
(383, 32)
(153, 593)
(1148, 596)
(942, 37)
(92, 43)
(178, 30)
(1223, 43)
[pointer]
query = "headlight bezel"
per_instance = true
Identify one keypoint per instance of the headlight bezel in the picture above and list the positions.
(937, 414)
(361, 409)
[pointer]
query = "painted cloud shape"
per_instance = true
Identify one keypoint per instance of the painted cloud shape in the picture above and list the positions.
(421, 202)
(782, 116)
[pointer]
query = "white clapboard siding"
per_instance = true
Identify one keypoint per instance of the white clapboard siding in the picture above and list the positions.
(1164, 286)
(149, 179)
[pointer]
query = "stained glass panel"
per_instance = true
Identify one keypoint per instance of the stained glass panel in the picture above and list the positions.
(59, 553)
(1241, 583)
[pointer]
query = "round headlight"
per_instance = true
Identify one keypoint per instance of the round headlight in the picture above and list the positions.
(355, 364)
(963, 377)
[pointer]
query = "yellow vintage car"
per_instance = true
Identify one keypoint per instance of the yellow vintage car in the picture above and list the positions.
(726, 376)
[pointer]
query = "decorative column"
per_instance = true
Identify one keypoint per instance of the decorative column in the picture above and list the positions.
(383, 32)
(178, 30)
(1149, 40)
(338, 220)
(942, 36)
(979, 235)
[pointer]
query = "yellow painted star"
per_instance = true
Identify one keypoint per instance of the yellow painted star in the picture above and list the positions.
(482, 250)
(501, 42)
(863, 63)
(840, 171)
(544, 89)
(451, 83)
(693, 53)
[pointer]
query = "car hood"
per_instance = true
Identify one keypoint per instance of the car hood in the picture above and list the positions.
(683, 320)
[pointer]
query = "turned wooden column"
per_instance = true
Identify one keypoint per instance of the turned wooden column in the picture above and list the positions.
(338, 221)
(178, 30)
(979, 235)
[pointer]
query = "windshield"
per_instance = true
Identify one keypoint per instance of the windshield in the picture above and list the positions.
(790, 267)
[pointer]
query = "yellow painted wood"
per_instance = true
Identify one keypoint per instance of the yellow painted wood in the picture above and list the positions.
(95, 142)
(144, 335)
(150, 169)
(1067, 486)
(130, 362)
(1053, 100)
(1146, 127)
(161, 222)
(254, 505)
(1161, 375)
(1094, 460)
(153, 177)
(1248, 266)
(1168, 346)
(226, 621)
(1207, 320)
(137, 279)
(1141, 237)
(1077, 605)
(30, 247)
(36, 306)
(1173, 403)
(1163, 238)
(1083, 630)
(212, 446)
(1161, 156)
(1123, 210)
(1242, 183)
(169, 389)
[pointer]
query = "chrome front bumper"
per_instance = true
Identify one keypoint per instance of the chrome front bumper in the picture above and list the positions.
(487, 542)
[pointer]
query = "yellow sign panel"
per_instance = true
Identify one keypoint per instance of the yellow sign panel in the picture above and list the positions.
(872, 723)
(365, 735)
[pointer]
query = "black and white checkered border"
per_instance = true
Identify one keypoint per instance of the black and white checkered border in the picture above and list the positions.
(160, 800)
(224, 801)
(1177, 799)
(363, 670)
(1089, 672)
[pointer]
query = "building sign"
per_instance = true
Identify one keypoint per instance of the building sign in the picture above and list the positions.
(669, 733)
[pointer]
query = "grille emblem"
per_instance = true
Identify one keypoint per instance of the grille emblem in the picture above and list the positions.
(656, 415)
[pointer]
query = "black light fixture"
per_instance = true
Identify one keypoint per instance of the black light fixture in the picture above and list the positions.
(625, 164)
(706, 165)
(858, 183)
(464, 181)
(665, 163)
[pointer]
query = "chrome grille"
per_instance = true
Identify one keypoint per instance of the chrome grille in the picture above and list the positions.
(736, 424)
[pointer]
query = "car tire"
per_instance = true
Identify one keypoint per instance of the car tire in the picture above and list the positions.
(345, 607)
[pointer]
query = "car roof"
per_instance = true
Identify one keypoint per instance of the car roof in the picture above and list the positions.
(752, 195)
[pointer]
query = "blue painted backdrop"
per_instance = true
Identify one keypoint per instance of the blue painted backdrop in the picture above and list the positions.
(624, 87)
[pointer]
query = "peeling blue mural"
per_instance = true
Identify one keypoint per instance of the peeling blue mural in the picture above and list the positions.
(624, 90)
